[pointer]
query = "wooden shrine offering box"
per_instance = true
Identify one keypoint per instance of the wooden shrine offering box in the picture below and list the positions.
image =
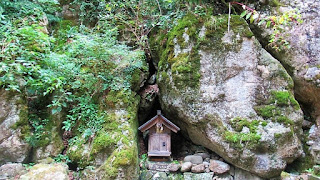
(159, 143)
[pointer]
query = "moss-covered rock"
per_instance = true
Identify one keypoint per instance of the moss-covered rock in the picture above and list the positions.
(301, 57)
(113, 150)
(228, 94)
(47, 172)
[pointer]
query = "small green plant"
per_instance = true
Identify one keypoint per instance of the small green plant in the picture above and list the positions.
(62, 158)
(143, 160)
(28, 166)
(175, 162)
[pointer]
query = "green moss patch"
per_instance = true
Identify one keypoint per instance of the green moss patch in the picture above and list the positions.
(241, 139)
(277, 107)
(284, 98)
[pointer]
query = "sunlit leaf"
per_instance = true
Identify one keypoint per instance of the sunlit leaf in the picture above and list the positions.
(243, 13)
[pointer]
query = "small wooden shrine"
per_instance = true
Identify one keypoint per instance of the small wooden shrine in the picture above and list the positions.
(159, 143)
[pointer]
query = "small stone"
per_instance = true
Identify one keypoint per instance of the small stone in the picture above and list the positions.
(219, 167)
(186, 167)
(193, 159)
(173, 167)
(207, 160)
(198, 168)
(203, 155)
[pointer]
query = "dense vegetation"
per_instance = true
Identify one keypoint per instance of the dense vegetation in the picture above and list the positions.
(67, 67)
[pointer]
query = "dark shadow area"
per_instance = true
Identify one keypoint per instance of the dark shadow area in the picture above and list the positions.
(73, 166)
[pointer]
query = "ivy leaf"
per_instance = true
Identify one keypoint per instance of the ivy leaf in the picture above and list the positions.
(243, 13)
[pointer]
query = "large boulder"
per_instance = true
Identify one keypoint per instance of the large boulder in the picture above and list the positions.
(302, 59)
(13, 126)
(228, 94)
(47, 172)
(11, 170)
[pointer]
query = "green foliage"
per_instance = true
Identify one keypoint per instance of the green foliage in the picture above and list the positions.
(32, 11)
(143, 160)
(67, 73)
(28, 166)
(39, 134)
(278, 24)
(139, 17)
(89, 11)
(62, 158)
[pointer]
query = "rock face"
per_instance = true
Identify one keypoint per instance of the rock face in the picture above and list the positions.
(12, 112)
(47, 172)
(302, 59)
(241, 174)
(228, 94)
(314, 143)
(148, 99)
